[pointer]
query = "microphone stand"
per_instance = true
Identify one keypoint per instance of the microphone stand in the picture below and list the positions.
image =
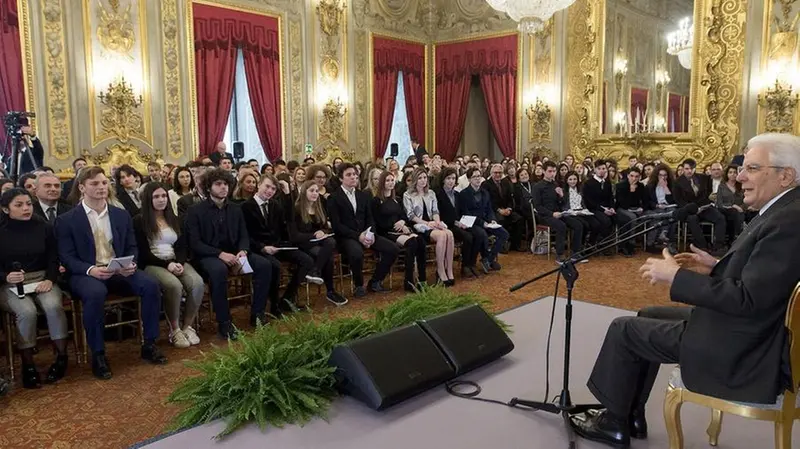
(565, 407)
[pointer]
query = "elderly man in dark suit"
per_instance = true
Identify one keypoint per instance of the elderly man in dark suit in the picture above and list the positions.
(351, 216)
(502, 196)
(89, 237)
(49, 204)
(219, 242)
(475, 202)
(693, 187)
(733, 343)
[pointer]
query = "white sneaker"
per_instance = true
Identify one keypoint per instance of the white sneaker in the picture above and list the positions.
(191, 335)
(178, 339)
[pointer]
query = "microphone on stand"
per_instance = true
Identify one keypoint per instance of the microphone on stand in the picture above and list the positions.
(16, 266)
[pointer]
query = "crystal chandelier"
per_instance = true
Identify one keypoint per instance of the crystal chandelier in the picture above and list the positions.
(531, 14)
(679, 42)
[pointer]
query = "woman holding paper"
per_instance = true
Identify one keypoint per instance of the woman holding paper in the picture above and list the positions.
(574, 204)
(29, 258)
(423, 211)
(310, 230)
(390, 222)
(163, 251)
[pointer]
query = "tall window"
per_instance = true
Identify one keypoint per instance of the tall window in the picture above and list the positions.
(401, 135)
(241, 125)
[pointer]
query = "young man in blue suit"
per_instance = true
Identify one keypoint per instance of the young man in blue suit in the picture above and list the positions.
(476, 202)
(89, 236)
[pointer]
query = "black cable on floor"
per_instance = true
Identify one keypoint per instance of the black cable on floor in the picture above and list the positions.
(453, 386)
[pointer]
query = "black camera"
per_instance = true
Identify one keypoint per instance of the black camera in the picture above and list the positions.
(14, 120)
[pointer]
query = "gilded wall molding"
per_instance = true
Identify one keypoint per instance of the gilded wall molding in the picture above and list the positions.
(777, 105)
(716, 87)
(56, 80)
(173, 91)
(541, 72)
(29, 85)
(363, 87)
(297, 96)
(330, 50)
(114, 35)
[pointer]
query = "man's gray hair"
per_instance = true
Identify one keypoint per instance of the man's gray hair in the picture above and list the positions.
(43, 175)
(784, 150)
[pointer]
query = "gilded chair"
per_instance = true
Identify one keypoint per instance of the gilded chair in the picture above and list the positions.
(782, 413)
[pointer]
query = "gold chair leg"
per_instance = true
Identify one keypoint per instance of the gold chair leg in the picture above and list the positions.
(783, 433)
(714, 427)
(672, 418)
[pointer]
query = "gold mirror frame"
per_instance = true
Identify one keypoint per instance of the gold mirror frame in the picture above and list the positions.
(715, 93)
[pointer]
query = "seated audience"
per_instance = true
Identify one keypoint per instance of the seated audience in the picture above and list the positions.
(246, 186)
(310, 230)
(28, 182)
(29, 256)
(220, 151)
(573, 202)
(320, 174)
(632, 202)
(548, 200)
(659, 190)
(422, 210)
(49, 204)
(163, 254)
(128, 189)
(219, 244)
(475, 202)
(182, 185)
(351, 217)
(691, 187)
(266, 226)
(198, 195)
(501, 195)
(729, 201)
(90, 236)
(463, 181)
(6, 185)
(734, 344)
(472, 238)
(153, 173)
(598, 197)
(391, 223)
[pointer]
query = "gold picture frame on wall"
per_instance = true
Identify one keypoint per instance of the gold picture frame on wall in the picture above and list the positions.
(715, 93)
(284, 54)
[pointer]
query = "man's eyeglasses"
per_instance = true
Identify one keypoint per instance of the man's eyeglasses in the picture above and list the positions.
(754, 168)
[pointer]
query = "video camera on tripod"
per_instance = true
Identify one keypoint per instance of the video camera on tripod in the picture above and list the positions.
(14, 121)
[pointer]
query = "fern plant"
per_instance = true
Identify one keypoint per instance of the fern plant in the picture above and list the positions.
(275, 377)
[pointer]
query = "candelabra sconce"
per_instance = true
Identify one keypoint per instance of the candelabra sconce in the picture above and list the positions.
(539, 115)
(119, 116)
(662, 80)
(780, 103)
(332, 125)
(620, 70)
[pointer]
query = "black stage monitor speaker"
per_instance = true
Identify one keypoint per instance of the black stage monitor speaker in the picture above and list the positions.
(394, 150)
(238, 150)
(388, 368)
(469, 337)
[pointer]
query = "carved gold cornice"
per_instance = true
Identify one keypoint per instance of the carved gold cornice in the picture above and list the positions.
(173, 91)
(715, 88)
(56, 80)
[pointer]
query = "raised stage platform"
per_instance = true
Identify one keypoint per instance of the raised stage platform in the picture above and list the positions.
(437, 420)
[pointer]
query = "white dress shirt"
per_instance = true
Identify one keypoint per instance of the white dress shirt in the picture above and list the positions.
(715, 185)
(100, 223)
(351, 195)
(774, 200)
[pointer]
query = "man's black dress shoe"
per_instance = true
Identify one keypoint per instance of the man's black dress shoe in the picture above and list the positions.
(58, 369)
(638, 425)
(30, 377)
(601, 428)
(260, 318)
(226, 331)
(100, 367)
(151, 353)
(377, 287)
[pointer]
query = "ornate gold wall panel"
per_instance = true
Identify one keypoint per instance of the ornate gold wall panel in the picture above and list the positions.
(56, 80)
(298, 93)
(115, 40)
(541, 72)
(716, 88)
(777, 108)
(173, 91)
(27, 55)
(363, 87)
(330, 81)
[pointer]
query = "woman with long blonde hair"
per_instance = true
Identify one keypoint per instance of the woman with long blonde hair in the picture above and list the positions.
(423, 211)
(246, 185)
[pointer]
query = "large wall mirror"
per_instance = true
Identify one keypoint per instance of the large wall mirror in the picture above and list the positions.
(647, 68)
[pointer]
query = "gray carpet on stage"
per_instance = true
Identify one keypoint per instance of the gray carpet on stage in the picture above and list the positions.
(437, 420)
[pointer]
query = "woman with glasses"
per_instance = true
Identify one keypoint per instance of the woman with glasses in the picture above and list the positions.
(320, 174)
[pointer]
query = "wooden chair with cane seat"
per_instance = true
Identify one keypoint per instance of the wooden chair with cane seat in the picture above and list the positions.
(782, 413)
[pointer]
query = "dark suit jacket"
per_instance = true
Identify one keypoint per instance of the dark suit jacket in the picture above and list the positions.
(345, 222)
(201, 232)
(482, 209)
(127, 202)
(146, 256)
(62, 207)
(684, 194)
(595, 196)
(632, 200)
(66, 188)
(448, 213)
(499, 201)
(76, 248)
(37, 151)
(270, 231)
(215, 158)
(187, 201)
(735, 343)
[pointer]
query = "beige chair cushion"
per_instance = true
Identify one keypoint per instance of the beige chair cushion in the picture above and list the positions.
(675, 381)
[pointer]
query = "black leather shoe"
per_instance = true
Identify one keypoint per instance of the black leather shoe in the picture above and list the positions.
(377, 287)
(359, 292)
(258, 318)
(100, 367)
(468, 272)
(485, 266)
(638, 425)
(601, 428)
(495, 266)
(30, 377)
(449, 283)
(58, 369)
(151, 353)
(226, 331)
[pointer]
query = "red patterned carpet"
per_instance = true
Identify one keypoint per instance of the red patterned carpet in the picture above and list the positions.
(81, 412)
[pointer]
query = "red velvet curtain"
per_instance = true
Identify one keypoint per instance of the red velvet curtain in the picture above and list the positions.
(495, 62)
(391, 56)
(219, 34)
(12, 90)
